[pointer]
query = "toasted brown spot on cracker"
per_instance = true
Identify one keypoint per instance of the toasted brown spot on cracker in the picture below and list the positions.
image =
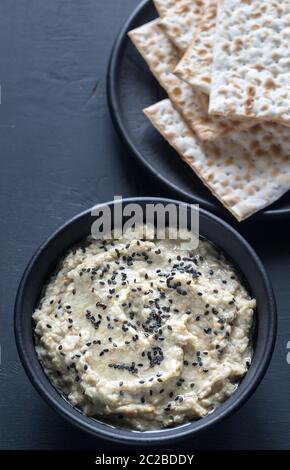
(276, 149)
(251, 92)
(226, 47)
(238, 45)
(176, 91)
(269, 83)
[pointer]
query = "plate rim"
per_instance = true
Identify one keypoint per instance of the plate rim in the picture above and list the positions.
(113, 98)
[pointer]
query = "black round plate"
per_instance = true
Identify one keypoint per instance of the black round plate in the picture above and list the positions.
(131, 88)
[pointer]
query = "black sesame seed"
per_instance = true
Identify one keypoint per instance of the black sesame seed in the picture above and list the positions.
(207, 331)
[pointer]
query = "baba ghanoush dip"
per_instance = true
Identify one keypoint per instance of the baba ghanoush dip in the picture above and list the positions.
(144, 332)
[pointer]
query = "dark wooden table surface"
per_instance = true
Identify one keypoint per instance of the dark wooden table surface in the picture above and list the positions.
(60, 155)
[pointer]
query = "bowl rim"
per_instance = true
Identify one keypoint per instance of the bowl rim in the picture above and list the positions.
(119, 434)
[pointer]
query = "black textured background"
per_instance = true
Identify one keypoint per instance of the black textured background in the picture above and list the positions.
(60, 155)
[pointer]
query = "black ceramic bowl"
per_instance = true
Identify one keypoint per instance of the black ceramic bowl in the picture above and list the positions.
(223, 236)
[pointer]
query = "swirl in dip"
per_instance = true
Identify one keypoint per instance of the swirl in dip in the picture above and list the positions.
(143, 331)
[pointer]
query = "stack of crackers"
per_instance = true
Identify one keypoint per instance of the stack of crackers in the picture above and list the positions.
(225, 65)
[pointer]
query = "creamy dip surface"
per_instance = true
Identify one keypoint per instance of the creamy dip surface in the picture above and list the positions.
(145, 332)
